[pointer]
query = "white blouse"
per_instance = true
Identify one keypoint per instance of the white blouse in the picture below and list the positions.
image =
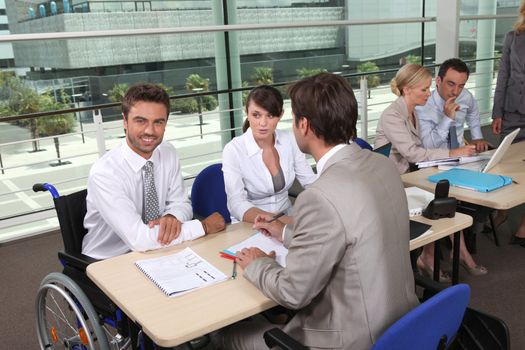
(248, 181)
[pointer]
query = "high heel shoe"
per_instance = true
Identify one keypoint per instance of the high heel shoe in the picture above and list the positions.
(428, 271)
(478, 270)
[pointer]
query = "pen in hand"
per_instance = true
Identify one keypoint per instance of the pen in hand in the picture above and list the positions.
(275, 217)
(234, 272)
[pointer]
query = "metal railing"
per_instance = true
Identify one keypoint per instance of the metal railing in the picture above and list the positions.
(108, 132)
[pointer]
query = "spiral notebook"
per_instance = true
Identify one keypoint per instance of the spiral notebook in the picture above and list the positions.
(180, 273)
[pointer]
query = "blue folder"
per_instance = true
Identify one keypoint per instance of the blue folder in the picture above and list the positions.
(473, 180)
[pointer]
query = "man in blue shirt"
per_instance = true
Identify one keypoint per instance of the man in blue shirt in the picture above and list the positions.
(447, 109)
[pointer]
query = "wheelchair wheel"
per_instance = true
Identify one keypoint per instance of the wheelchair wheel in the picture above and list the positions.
(65, 317)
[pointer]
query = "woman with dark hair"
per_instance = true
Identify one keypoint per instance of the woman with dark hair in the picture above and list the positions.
(261, 165)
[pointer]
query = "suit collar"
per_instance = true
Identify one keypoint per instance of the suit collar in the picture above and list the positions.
(404, 109)
(349, 151)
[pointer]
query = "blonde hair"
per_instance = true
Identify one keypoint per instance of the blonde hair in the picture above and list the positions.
(409, 75)
(519, 26)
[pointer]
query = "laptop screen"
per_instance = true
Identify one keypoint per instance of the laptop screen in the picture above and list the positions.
(500, 152)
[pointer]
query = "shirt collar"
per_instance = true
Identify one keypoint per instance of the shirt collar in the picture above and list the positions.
(322, 162)
(251, 146)
(135, 161)
(437, 99)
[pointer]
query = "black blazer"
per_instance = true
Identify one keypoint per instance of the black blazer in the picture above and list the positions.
(510, 86)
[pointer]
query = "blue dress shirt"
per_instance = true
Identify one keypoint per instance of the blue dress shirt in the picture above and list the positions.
(434, 125)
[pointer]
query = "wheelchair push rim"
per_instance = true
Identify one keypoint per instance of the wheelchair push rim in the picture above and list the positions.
(65, 317)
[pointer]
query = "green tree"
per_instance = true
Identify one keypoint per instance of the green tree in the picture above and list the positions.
(117, 92)
(184, 105)
(56, 124)
(308, 72)
(413, 59)
(373, 80)
(245, 93)
(17, 97)
(263, 75)
(207, 102)
(195, 81)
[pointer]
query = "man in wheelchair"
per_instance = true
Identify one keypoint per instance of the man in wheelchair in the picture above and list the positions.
(136, 201)
(136, 195)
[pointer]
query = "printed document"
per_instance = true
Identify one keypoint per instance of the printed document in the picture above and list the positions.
(264, 243)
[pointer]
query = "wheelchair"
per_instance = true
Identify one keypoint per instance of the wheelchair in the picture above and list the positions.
(71, 311)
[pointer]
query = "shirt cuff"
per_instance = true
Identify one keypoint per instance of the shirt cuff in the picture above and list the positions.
(192, 230)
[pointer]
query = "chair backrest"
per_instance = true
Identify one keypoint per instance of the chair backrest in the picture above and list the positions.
(71, 210)
(431, 325)
(384, 150)
(208, 194)
(362, 143)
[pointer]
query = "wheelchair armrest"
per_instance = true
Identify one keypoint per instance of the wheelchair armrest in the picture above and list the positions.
(78, 261)
(275, 337)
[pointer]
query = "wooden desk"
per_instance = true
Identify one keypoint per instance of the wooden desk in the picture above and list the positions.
(172, 321)
(440, 228)
(504, 198)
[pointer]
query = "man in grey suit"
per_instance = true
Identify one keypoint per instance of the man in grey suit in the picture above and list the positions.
(348, 272)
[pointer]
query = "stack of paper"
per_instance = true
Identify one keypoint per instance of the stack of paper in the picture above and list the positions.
(453, 161)
(264, 243)
(418, 200)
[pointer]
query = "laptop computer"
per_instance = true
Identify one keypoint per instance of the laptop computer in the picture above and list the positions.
(487, 164)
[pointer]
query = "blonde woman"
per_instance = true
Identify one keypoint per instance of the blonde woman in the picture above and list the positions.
(400, 126)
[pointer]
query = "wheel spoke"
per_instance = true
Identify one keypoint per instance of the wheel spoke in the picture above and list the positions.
(61, 317)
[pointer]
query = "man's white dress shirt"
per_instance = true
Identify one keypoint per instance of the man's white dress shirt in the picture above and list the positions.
(248, 181)
(115, 200)
(434, 125)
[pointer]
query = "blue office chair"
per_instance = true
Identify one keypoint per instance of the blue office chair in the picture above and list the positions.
(431, 325)
(363, 144)
(384, 150)
(208, 194)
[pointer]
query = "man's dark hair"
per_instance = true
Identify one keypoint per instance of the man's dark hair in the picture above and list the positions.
(144, 92)
(267, 97)
(455, 64)
(327, 101)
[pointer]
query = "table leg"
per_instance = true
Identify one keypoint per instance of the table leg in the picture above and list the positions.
(437, 254)
(455, 258)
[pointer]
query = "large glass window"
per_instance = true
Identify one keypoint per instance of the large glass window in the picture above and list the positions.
(199, 69)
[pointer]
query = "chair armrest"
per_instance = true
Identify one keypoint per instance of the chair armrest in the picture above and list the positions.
(78, 261)
(275, 337)
(430, 287)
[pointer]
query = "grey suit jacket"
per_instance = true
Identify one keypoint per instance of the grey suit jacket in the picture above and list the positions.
(395, 127)
(510, 86)
(348, 270)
